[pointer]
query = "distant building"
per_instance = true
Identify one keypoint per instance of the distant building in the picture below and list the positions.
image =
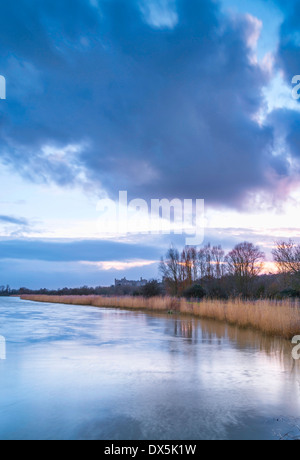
(124, 282)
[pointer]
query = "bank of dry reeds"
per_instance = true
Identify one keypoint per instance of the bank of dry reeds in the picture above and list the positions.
(277, 318)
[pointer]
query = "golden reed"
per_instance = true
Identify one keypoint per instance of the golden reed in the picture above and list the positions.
(277, 318)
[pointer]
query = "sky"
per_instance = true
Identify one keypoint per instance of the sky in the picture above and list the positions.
(163, 99)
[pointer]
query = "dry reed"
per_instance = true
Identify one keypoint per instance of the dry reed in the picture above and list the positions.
(277, 318)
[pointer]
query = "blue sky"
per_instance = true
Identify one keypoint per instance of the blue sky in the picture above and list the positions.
(183, 99)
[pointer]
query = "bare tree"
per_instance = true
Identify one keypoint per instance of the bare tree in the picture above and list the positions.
(245, 263)
(201, 263)
(287, 257)
(171, 270)
(189, 266)
(211, 262)
(218, 261)
(182, 270)
(205, 261)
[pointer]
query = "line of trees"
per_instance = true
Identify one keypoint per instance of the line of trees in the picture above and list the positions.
(151, 289)
(209, 271)
(5, 290)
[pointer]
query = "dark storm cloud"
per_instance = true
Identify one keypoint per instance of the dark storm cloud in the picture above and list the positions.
(75, 251)
(286, 125)
(288, 54)
(286, 122)
(161, 101)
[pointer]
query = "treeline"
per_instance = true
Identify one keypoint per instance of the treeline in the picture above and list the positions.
(5, 290)
(151, 289)
(210, 272)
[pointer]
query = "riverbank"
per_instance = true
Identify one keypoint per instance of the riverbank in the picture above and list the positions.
(277, 318)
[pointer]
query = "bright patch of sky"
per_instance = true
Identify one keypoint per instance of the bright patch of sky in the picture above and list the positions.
(266, 12)
(59, 212)
(161, 14)
(278, 93)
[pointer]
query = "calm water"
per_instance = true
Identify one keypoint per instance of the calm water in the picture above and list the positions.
(85, 373)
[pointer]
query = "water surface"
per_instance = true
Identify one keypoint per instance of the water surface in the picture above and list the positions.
(75, 372)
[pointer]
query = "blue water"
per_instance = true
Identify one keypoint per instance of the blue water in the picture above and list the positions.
(75, 372)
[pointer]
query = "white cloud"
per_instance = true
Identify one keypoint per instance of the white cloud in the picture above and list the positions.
(160, 14)
(120, 265)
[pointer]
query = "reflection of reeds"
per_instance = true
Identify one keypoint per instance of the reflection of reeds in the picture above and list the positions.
(198, 330)
(249, 338)
(275, 318)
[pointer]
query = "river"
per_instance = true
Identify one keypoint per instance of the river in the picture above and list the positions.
(73, 372)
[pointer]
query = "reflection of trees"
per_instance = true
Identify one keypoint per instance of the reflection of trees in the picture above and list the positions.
(244, 339)
(206, 330)
(182, 328)
(186, 329)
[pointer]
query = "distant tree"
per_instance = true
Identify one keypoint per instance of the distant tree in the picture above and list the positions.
(151, 289)
(289, 293)
(205, 262)
(194, 292)
(171, 270)
(211, 263)
(287, 257)
(181, 271)
(218, 261)
(245, 264)
(188, 265)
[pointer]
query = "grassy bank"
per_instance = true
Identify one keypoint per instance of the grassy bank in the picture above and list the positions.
(280, 319)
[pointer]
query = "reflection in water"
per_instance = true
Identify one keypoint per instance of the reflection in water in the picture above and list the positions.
(185, 329)
(201, 330)
(85, 373)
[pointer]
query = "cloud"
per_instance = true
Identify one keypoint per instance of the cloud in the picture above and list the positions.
(285, 120)
(14, 220)
(76, 251)
(288, 49)
(120, 266)
(160, 14)
(163, 95)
